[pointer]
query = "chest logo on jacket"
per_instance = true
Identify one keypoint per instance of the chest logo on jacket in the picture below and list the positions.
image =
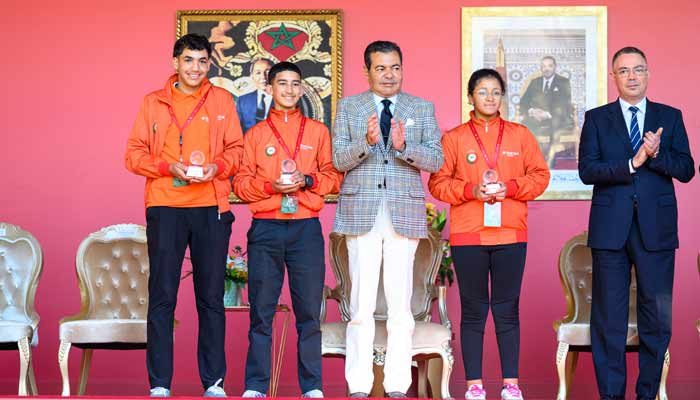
(471, 157)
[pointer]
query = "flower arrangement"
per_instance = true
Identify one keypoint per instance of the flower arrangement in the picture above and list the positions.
(236, 268)
(436, 220)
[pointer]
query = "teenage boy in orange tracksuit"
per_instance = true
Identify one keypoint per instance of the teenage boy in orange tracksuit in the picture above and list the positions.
(189, 121)
(285, 227)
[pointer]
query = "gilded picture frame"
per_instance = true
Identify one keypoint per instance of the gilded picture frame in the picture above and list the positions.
(246, 43)
(554, 62)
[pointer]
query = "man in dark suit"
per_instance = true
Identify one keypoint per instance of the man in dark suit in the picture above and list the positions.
(633, 220)
(253, 107)
(546, 107)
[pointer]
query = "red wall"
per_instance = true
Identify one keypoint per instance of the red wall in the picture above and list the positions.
(76, 72)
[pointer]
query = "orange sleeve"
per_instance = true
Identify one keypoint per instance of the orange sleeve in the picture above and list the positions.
(327, 179)
(138, 157)
(246, 184)
(536, 177)
(230, 157)
(442, 184)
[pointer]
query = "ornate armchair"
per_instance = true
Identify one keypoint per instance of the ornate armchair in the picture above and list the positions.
(573, 330)
(21, 262)
(112, 268)
(430, 340)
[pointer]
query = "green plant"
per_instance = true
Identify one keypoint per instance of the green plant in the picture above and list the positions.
(236, 268)
(436, 220)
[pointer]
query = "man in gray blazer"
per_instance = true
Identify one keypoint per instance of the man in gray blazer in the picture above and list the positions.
(382, 139)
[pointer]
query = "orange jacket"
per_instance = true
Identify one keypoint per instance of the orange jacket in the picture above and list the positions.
(145, 143)
(261, 165)
(520, 166)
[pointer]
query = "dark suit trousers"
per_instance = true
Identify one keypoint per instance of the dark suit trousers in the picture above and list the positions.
(169, 231)
(271, 245)
(610, 313)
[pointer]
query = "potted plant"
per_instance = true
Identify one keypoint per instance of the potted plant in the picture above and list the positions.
(236, 277)
(436, 222)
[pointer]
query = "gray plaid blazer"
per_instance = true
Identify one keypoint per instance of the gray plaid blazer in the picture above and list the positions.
(374, 171)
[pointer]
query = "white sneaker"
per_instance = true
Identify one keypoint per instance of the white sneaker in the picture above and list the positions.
(475, 392)
(313, 394)
(511, 391)
(215, 390)
(252, 393)
(160, 391)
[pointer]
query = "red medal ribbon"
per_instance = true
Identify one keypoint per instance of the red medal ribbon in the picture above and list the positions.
(281, 141)
(189, 119)
(483, 149)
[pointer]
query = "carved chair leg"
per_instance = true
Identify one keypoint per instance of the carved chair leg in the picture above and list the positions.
(435, 377)
(32, 380)
(571, 362)
(25, 357)
(63, 351)
(84, 371)
(562, 352)
(378, 385)
(664, 375)
(447, 363)
(422, 378)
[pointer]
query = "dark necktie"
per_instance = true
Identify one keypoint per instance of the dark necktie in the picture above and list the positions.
(635, 135)
(385, 120)
(547, 86)
(260, 111)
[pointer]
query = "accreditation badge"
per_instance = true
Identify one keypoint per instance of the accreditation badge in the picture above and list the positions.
(290, 204)
(471, 157)
(492, 214)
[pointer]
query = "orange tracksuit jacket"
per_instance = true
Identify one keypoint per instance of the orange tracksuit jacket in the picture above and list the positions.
(145, 144)
(261, 165)
(520, 166)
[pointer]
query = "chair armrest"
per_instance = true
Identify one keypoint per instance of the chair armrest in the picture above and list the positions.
(328, 293)
(442, 307)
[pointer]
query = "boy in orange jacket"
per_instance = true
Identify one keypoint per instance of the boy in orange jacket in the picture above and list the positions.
(286, 171)
(187, 142)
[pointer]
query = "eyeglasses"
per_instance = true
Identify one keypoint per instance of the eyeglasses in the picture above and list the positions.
(496, 94)
(626, 72)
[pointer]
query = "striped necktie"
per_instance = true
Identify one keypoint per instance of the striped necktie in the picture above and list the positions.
(635, 136)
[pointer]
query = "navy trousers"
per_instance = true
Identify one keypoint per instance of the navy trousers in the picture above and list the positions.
(169, 232)
(610, 314)
(272, 244)
(505, 265)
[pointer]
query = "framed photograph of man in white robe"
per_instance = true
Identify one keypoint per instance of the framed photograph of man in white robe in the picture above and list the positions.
(554, 63)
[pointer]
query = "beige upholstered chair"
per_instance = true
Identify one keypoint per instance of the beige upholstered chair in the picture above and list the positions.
(112, 268)
(573, 330)
(430, 340)
(21, 262)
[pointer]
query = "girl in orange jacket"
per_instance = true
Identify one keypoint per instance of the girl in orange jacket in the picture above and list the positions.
(492, 168)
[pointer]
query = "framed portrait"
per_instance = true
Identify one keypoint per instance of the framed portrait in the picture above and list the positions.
(554, 63)
(246, 43)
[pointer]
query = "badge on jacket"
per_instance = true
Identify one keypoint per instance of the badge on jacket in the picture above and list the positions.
(471, 157)
(270, 150)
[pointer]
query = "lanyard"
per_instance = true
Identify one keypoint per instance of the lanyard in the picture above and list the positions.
(281, 141)
(188, 120)
(501, 127)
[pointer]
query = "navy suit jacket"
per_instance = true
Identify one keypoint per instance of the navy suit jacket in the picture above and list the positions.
(604, 154)
(246, 106)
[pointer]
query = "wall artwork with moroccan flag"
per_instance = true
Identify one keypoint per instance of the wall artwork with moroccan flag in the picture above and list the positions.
(246, 43)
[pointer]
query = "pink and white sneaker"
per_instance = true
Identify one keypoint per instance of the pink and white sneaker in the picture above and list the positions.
(475, 392)
(511, 392)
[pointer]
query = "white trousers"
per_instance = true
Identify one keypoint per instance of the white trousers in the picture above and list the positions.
(365, 253)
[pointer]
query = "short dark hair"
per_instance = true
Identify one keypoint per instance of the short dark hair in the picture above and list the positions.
(548, 57)
(281, 67)
(257, 60)
(485, 73)
(628, 50)
(192, 41)
(381, 46)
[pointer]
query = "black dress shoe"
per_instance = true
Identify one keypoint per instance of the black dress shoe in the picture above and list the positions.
(396, 395)
(359, 395)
